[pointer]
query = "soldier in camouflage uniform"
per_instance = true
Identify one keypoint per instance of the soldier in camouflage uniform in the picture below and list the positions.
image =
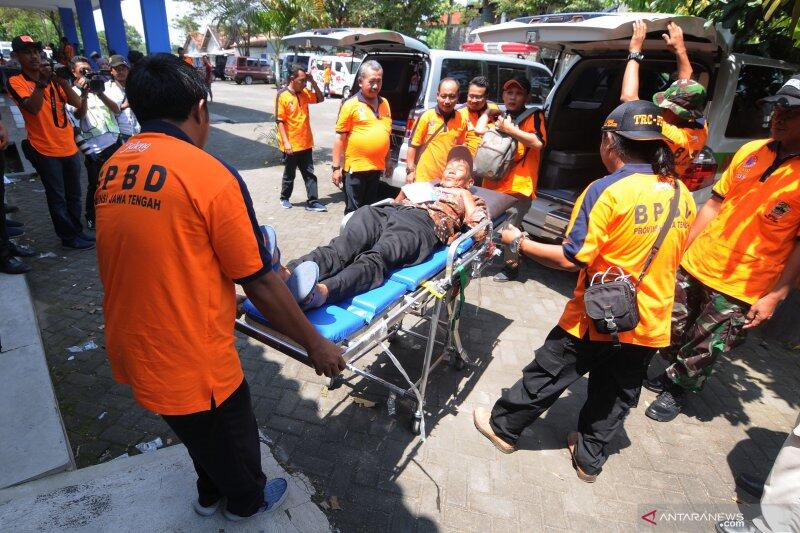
(743, 256)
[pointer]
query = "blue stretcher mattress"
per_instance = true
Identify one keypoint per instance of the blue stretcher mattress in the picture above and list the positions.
(337, 322)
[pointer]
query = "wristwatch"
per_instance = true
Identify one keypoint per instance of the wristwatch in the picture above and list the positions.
(409, 170)
(636, 56)
(514, 246)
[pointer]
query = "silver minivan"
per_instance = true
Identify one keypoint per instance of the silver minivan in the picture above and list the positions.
(412, 71)
(590, 58)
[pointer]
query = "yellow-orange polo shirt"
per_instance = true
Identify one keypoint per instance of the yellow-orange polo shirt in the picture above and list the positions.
(369, 133)
(471, 139)
(685, 143)
(49, 131)
(292, 110)
(615, 222)
(742, 251)
(178, 229)
(522, 177)
(432, 160)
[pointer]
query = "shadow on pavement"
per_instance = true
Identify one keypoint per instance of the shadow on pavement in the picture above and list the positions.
(240, 115)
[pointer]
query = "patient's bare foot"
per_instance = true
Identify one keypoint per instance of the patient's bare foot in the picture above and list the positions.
(284, 273)
(318, 297)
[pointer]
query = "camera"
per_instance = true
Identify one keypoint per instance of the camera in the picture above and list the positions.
(62, 71)
(96, 79)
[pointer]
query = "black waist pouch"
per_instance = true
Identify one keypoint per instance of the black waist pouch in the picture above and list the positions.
(612, 304)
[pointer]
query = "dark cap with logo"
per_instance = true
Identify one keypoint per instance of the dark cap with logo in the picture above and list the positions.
(521, 82)
(639, 120)
(117, 60)
(788, 95)
(23, 42)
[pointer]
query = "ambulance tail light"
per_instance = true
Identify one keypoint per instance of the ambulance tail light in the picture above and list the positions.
(410, 126)
(702, 171)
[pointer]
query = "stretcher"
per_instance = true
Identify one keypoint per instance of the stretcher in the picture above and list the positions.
(432, 290)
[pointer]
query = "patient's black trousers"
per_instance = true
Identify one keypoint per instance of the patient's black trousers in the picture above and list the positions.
(375, 240)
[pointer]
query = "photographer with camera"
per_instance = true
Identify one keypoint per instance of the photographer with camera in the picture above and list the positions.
(97, 133)
(42, 93)
(115, 89)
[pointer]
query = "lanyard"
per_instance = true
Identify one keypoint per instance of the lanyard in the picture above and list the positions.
(54, 108)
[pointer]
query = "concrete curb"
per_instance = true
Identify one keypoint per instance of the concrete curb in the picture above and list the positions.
(33, 442)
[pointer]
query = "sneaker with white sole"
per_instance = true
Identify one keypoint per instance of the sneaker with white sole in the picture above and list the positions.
(275, 492)
(286, 204)
(316, 206)
(206, 511)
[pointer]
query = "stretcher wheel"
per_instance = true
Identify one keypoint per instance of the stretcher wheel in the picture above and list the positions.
(416, 426)
(458, 362)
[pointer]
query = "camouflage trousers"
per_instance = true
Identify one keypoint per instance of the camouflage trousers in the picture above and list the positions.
(705, 324)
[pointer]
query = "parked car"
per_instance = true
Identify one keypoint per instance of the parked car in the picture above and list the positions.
(591, 58)
(293, 58)
(249, 69)
(412, 71)
(343, 72)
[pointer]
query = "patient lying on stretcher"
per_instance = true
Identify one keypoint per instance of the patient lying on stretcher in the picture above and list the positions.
(378, 239)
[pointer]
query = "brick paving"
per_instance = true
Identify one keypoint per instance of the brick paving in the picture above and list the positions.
(383, 477)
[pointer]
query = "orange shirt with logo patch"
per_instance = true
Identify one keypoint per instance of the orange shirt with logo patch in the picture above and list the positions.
(292, 110)
(471, 139)
(685, 143)
(742, 251)
(432, 160)
(49, 131)
(175, 230)
(615, 223)
(522, 177)
(369, 132)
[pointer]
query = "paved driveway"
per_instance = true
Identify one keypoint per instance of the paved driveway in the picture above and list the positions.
(371, 472)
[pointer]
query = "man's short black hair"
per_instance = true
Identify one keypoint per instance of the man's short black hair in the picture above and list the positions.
(180, 48)
(445, 80)
(77, 59)
(162, 87)
(134, 56)
(295, 69)
(479, 81)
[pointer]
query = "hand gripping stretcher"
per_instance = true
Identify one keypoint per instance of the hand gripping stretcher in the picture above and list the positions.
(432, 290)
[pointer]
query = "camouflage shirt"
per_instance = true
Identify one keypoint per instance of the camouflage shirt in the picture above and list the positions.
(448, 212)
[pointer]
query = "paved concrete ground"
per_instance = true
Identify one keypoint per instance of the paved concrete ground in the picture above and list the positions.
(380, 475)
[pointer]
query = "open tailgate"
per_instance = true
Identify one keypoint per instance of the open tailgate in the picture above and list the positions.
(361, 39)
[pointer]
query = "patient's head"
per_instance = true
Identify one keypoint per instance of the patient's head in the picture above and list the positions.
(458, 171)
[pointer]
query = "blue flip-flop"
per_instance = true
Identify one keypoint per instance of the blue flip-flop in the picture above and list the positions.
(303, 281)
(271, 241)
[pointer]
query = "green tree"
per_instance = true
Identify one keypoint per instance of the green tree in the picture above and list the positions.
(40, 24)
(408, 17)
(516, 8)
(186, 24)
(134, 38)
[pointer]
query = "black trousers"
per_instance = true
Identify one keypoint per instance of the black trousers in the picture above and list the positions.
(61, 178)
(374, 241)
(93, 164)
(5, 252)
(615, 381)
(361, 188)
(303, 161)
(223, 444)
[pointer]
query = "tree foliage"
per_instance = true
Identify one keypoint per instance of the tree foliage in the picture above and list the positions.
(186, 24)
(132, 35)
(404, 16)
(516, 8)
(40, 24)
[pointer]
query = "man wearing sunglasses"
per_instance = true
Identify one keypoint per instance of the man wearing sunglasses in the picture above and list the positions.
(742, 257)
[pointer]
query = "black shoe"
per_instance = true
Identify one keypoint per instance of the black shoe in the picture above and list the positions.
(10, 208)
(316, 206)
(667, 406)
(752, 485)
(12, 265)
(13, 223)
(20, 251)
(15, 232)
(78, 244)
(86, 237)
(507, 274)
(657, 384)
(736, 526)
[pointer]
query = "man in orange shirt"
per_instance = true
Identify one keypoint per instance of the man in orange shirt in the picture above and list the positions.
(743, 258)
(683, 101)
(363, 132)
(183, 57)
(614, 225)
(472, 111)
(51, 148)
(520, 181)
(176, 229)
(436, 131)
(294, 135)
(67, 50)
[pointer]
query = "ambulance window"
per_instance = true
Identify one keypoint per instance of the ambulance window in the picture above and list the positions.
(463, 70)
(749, 120)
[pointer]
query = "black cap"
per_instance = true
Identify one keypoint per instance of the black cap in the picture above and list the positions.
(520, 81)
(788, 95)
(117, 60)
(639, 120)
(23, 42)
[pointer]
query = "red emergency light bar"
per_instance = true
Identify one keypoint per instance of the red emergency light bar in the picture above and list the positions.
(501, 48)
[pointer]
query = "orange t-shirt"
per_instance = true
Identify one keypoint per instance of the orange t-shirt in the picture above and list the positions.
(188, 60)
(433, 159)
(743, 250)
(615, 222)
(369, 133)
(685, 143)
(292, 110)
(522, 177)
(471, 139)
(49, 131)
(175, 229)
(69, 51)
